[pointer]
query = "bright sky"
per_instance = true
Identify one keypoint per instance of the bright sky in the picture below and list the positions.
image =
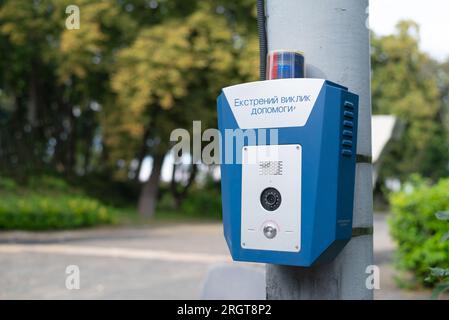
(431, 15)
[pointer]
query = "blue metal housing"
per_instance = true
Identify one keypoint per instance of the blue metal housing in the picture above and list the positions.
(329, 142)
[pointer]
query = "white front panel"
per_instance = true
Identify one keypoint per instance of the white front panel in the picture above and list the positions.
(277, 167)
(273, 104)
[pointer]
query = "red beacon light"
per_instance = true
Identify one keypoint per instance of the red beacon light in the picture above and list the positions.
(285, 64)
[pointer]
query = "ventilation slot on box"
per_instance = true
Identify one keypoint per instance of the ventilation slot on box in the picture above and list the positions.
(270, 168)
(348, 127)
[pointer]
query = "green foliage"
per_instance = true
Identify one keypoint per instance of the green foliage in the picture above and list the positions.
(418, 234)
(408, 84)
(48, 183)
(440, 274)
(202, 204)
(37, 212)
(112, 192)
(47, 203)
(170, 75)
(7, 184)
(81, 101)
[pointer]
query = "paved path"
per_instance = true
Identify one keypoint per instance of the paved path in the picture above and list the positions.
(159, 262)
(164, 262)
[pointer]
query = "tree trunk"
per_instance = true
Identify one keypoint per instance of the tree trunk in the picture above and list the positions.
(148, 195)
(87, 155)
(34, 98)
(71, 145)
(180, 195)
(142, 153)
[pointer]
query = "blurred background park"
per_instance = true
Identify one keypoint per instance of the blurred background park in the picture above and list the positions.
(86, 115)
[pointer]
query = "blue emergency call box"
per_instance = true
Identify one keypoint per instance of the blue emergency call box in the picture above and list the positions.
(288, 158)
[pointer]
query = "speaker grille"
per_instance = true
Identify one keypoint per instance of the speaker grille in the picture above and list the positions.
(270, 168)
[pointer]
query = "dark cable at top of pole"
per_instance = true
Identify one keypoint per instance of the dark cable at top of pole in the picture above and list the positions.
(262, 32)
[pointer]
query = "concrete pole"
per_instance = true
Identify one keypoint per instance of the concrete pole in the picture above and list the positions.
(334, 36)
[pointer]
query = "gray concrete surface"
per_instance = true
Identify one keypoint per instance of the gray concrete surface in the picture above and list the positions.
(234, 282)
(160, 262)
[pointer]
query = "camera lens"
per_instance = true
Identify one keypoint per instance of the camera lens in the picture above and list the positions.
(270, 199)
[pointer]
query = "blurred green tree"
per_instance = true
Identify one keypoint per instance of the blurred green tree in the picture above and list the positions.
(55, 78)
(408, 84)
(27, 31)
(171, 76)
(101, 98)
